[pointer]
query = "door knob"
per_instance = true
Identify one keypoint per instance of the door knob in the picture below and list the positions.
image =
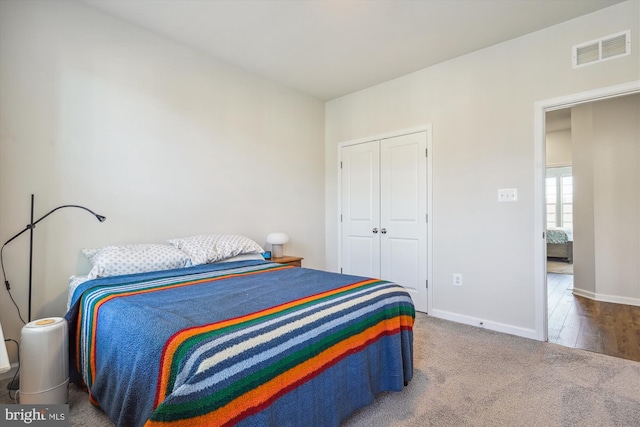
(383, 231)
(375, 230)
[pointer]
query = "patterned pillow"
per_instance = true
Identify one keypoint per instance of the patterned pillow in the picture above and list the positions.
(134, 258)
(208, 248)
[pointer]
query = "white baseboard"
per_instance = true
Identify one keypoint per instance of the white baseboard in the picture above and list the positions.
(617, 299)
(486, 324)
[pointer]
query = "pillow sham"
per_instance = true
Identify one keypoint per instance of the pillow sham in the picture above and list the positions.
(134, 258)
(209, 248)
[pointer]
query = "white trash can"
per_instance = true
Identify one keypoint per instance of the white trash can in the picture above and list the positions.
(44, 362)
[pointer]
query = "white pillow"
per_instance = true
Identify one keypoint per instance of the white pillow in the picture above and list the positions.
(208, 248)
(134, 258)
(74, 282)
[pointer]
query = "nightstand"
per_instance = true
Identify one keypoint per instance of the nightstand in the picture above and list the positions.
(294, 261)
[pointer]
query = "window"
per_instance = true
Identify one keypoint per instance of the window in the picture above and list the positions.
(559, 196)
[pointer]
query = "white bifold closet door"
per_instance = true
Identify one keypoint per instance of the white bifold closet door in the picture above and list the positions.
(384, 212)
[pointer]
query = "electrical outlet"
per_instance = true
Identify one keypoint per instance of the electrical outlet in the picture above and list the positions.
(457, 279)
(508, 195)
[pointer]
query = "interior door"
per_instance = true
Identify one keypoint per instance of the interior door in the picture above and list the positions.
(403, 214)
(360, 240)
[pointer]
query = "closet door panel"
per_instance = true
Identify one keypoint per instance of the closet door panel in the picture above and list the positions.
(361, 209)
(403, 261)
(403, 210)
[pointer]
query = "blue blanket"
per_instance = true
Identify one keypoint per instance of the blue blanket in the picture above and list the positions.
(244, 343)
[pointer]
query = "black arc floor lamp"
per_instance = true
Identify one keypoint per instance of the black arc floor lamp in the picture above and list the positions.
(30, 227)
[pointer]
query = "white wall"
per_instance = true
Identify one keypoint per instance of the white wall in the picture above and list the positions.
(584, 251)
(161, 139)
(607, 188)
(558, 148)
(481, 109)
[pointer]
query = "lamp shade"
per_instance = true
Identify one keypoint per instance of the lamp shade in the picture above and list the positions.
(277, 238)
(4, 358)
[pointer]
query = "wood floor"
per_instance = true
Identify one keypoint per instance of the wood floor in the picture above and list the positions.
(601, 327)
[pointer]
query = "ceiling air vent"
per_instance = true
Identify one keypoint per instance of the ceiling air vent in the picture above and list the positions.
(603, 49)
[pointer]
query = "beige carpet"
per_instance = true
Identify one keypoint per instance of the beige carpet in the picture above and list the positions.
(560, 267)
(465, 376)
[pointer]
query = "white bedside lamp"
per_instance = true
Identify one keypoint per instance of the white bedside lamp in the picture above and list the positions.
(4, 358)
(277, 241)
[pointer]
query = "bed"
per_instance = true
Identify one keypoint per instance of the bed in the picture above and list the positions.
(560, 243)
(244, 342)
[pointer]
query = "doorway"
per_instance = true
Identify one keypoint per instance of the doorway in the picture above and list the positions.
(563, 324)
(559, 209)
(554, 290)
(540, 110)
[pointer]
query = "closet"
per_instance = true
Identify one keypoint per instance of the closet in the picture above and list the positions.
(383, 216)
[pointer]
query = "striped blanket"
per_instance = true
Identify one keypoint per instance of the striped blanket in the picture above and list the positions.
(247, 343)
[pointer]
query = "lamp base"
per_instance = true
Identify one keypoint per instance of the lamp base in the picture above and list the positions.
(277, 251)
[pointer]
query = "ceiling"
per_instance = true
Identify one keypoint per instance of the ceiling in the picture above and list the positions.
(330, 48)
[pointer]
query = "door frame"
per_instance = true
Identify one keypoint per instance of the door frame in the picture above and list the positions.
(540, 248)
(427, 128)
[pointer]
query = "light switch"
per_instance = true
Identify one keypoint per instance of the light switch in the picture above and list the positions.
(508, 195)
